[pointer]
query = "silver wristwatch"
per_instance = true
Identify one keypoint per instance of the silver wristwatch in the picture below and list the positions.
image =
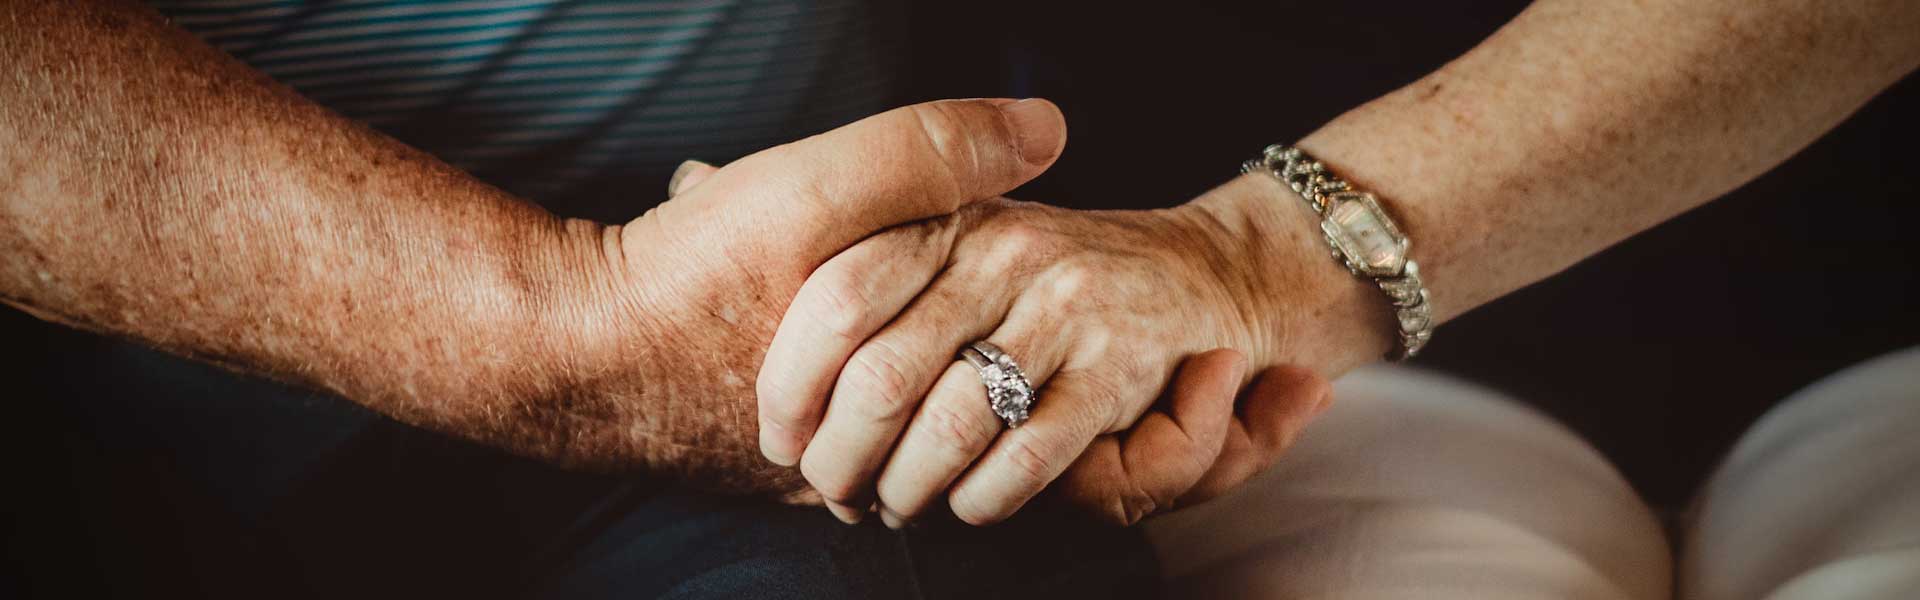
(1363, 237)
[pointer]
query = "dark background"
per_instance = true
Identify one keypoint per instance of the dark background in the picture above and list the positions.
(1661, 350)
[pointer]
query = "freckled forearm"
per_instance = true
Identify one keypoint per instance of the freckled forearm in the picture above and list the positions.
(156, 189)
(1582, 123)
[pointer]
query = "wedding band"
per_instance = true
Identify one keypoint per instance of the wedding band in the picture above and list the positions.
(1009, 393)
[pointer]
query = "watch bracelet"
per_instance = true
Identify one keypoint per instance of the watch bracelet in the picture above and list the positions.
(1404, 288)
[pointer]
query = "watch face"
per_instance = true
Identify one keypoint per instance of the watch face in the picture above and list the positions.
(1363, 233)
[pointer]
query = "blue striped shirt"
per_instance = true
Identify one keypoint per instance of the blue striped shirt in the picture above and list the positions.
(582, 104)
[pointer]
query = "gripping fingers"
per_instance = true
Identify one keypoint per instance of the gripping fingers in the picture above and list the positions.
(1166, 453)
(841, 304)
(1073, 408)
(886, 379)
(955, 424)
(1274, 410)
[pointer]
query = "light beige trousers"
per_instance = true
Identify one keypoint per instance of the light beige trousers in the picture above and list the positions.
(1416, 485)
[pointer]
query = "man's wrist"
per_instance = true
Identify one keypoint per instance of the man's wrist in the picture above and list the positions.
(512, 320)
(613, 382)
(571, 286)
(581, 356)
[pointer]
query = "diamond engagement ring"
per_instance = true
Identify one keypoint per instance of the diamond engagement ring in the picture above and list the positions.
(1009, 393)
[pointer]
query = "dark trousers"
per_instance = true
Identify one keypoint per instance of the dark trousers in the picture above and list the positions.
(155, 476)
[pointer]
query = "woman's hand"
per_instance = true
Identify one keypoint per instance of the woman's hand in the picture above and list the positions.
(861, 388)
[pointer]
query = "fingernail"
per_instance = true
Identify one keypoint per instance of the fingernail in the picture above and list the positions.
(846, 514)
(680, 173)
(1037, 127)
(893, 520)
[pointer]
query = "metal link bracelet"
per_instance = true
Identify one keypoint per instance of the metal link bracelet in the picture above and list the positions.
(1364, 239)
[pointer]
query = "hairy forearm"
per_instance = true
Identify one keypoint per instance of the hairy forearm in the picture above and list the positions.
(1582, 123)
(156, 189)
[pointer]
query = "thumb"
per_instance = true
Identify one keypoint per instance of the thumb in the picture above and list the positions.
(824, 193)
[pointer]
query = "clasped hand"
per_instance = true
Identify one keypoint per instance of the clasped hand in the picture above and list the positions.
(1134, 327)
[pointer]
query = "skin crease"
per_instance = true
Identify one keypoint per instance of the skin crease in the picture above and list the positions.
(156, 189)
(1089, 298)
(1575, 126)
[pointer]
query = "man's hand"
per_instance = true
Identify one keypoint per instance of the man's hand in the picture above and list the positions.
(159, 190)
(663, 344)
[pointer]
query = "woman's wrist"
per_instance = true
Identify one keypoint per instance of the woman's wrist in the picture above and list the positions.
(1303, 306)
(1388, 149)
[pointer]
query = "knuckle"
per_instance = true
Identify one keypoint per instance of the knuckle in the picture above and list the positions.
(1028, 469)
(1096, 341)
(841, 304)
(1136, 504)
(1197, 459)
(1129, 369)
(1016, 245)
(778, 405)
(1073, 279)
(1106, 415)
(1025, 237)
(877, 371)
(1086, 404)
(1100, 397)
(770, 390)
(948, 133)
(1030, 466)
(832, 485)
(953, 431)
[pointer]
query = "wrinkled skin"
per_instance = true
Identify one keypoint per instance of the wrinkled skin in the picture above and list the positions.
(1108, 313)
(660, 347)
